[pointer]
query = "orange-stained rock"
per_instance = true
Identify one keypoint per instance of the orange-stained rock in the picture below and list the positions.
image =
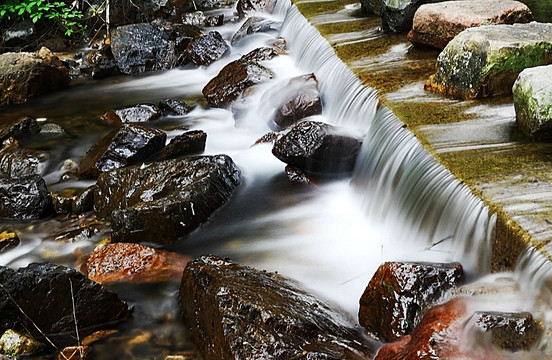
(438, 336)
(133, 262)
(73, 353)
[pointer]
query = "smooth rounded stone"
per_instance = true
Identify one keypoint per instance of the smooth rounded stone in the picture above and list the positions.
(214, 20)
(101, 63)
(15, 163)
(232, 80)
(63, 200)
(24, 198)
(16, 343)
(435, 25)
(397, 15)
(293, 100)
(51, 128)
(254, 25)
(245, 7)
(174, 107)
(486, 60)
(130, 144)
(24, 75)
(8, 240)
(74, 353)
(533, 102)
(132, 114)
(84, 201)
(318, 149)
(127, 262)
(142, 47)
(18, 129)
(188, 143)
(20, 34)
(237, 312)
(399, 294)
(510, 331)
(206, 49)
(43, 292)
(162, 201)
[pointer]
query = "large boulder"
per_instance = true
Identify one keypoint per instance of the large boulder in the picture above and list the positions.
(533, 102)
(232, 80)
(130, 144)
(23, 75)
(237, 312)
(245, 7)
(45, 293)
(142, 47)
(435, 25)
(24, 197)
(292, 101)
(318, 148)
(399, 293)
(204, 50)
(163, 201)
(486, 60)
(397, 15)
(19, 128)
(124, 262)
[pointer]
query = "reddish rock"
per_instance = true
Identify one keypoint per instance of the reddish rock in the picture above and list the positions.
(438, 336)
(246, 6)
(399, 293)
(133, 262)
(437, 24)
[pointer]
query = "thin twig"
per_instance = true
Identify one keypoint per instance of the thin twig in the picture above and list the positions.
(74, 313)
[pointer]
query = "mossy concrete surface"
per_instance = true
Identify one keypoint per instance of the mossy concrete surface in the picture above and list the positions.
(477, 140)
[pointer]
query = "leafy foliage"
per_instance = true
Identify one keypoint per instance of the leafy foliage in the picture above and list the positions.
(67, 17)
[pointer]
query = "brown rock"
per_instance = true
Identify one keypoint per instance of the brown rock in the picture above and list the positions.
(246, 6)
(437, 24)
(133, 262)
(63, 200)
(73, 353)
(510, 331)
(188, 143)
(23, 75)
(399, 293)
(241, 313)
(19, 128)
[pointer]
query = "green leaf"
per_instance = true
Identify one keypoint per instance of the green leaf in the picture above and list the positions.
(21, 11)
(3, 12)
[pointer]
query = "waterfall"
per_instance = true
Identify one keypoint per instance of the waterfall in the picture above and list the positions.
(398, 180)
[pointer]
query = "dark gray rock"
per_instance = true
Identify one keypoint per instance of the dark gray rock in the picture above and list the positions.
(188, 143)
(43, 291)
(397, 15)
(196, 18)
(296, 175)
(19, 128)
(245, 7)
(130, 144)
(84, 201)
(16, 163)
(142, 47)
(232, 80)
(165, 200)
(260, 54)
(400, 293)
(254, 25)
(132, 114)
(214, 20)
(24, 198)
(318, 149)
(237, 312)
(206, 49)
(174, 107)
(101, 63)
(371, 6)
(20, 34)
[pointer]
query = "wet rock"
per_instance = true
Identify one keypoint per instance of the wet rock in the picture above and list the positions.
(19, 129)
(260, 54)
(295, 175)
(174, 107)
(73, 353)
(510, 331)
(188, 143)
(206, 49)
(163, 201)
(24, 197)
(43, 292)
(214, 20)
(397, 15)
(8, 240)
(238, 312)
(533, 102)
(196, 18)
(232, 80)
(293, 100)
(84, 201)
(435, 25)
(254, 25)
(63, 200)
(130, 144)
(371, 6)
(399, 294)
(318, 148)
(51, 128)
(182, 35)
(15, 343)
(133, 262)
(486, 60)
(245, 7)
(101, 63)
(438, 336)
(77, 228)
(142, 47)
(23, 75)
(20, 34)
(15, 163)
(132, 114)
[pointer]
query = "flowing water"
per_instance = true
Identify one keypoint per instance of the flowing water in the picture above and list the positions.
(400, 204)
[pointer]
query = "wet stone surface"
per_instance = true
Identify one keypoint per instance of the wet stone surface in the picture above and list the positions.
(15, 163)
(132, 114)
(24, 198)
(510, 331)
(237, 312)
(188, 143)
(19, 128)
(254, 25)
(206, 49)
